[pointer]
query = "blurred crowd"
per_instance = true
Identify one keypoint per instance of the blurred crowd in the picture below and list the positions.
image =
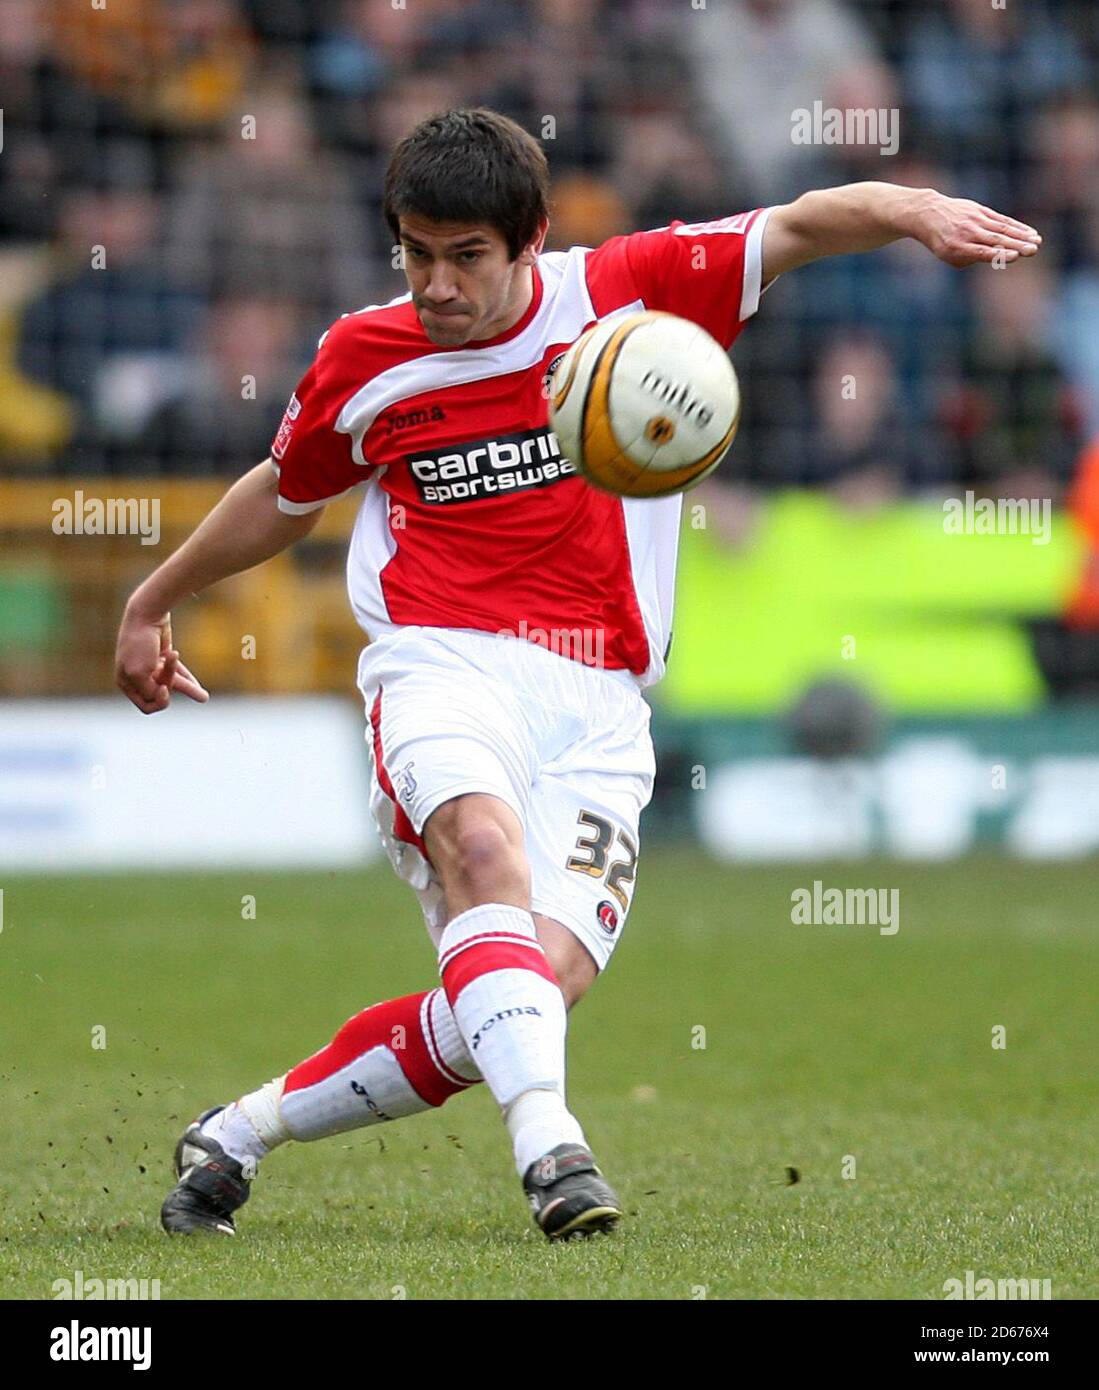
(190, 193)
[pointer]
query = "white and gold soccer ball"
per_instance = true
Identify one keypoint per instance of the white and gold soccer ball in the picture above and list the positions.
(645, 404)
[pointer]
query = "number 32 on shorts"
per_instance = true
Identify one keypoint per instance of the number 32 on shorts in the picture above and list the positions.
(596, 848)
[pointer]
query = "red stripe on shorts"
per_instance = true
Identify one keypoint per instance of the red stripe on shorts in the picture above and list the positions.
(403, 828)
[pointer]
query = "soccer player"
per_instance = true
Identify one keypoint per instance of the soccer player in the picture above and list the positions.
(515, 614)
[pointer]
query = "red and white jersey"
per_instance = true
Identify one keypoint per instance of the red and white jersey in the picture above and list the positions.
(471, 518)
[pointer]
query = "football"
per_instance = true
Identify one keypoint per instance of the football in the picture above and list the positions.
(645, 404)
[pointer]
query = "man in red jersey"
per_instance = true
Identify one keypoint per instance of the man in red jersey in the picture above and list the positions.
(515, 614)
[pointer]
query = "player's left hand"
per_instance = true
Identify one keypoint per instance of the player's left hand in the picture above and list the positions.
(962, 232)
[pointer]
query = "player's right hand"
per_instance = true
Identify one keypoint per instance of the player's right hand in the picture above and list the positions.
(962, 232)
(147, 666)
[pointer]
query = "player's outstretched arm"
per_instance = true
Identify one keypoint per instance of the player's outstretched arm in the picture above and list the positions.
(865, 216)
(244, 529)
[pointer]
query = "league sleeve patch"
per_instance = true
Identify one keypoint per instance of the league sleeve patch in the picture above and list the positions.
(286, 428)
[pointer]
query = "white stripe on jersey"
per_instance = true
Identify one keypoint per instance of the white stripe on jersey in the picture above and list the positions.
(652, 533)
(753, 266)
(372, 546)
(565, 311)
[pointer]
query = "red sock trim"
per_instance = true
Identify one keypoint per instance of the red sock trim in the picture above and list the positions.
(514, 937)
(477, 957)
(437, 1057)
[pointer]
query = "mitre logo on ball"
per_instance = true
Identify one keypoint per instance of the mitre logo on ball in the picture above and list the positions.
(646, 404)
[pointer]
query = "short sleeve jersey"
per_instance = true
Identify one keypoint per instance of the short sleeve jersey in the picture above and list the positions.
(470, 517)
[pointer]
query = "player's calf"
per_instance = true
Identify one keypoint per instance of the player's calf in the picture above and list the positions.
(392, 1060)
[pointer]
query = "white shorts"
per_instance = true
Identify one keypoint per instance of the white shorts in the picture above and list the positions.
(566, 746)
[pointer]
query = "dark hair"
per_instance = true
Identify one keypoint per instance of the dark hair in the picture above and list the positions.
(471, 165)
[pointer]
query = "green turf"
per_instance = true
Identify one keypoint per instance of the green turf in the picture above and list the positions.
(821, 1042)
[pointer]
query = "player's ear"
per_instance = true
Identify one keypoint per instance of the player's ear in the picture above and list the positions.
(533, 248)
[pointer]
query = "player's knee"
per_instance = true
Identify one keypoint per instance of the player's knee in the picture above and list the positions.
(482, 849)
(479, 855)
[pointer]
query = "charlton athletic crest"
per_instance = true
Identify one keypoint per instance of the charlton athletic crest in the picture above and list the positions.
(608, 917)
(547, 378)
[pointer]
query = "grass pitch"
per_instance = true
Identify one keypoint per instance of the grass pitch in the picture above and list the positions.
(864, 1062)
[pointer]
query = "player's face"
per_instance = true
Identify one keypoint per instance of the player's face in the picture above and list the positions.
(463, 285)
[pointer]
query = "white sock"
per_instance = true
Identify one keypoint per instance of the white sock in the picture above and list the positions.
(537, 1122)
(512, 1016)
(251, 1127)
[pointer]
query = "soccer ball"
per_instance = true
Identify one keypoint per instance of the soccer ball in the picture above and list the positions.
(645, 404)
